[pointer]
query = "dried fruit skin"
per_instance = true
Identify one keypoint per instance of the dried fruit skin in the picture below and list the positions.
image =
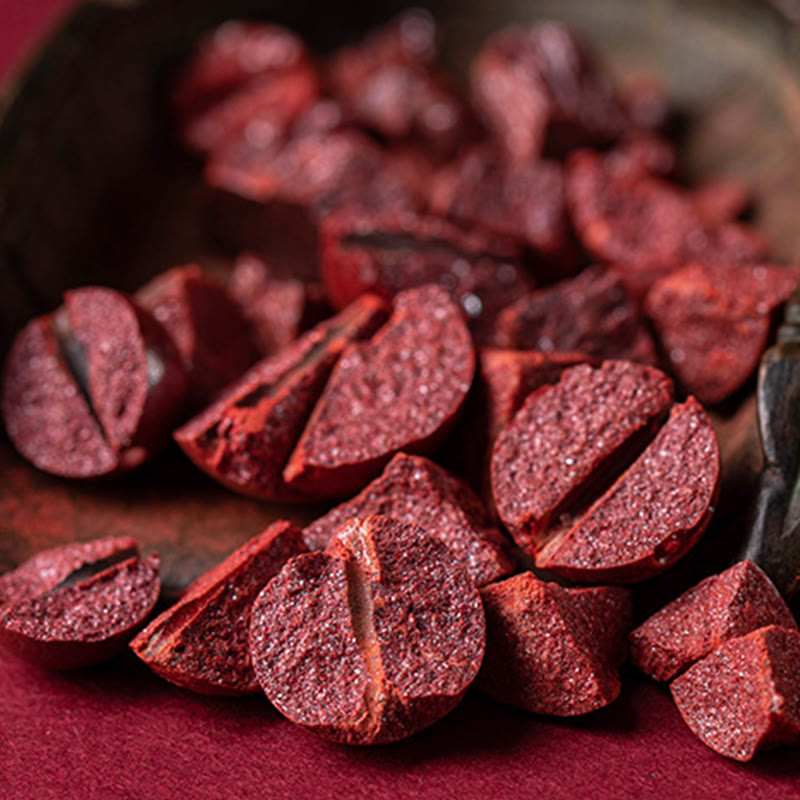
(402, 390)
(714, 322)
(544, 651)
(201, 642)
(416, 491)
(721, 607)
(744, 697)
(361, 645)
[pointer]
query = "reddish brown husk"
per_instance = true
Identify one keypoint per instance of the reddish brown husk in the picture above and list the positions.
(591, 313)
(206, 326)
(714, 322)
(745, 696)
(721, 607)
(78, 605)
(416, 491)
(552, 650)
(201, 643)
(390, 252)
(538, 90)
(359, 644)
(94, 388)
(402, 390)
(244, 439)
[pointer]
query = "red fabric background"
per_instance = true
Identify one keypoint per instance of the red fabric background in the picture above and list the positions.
(119, 732)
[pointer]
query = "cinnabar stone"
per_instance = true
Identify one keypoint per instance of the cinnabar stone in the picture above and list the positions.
(400, 391)
(77, 605)
(553, 650)
(714, 322)
(737, 601)
(374, 639)
(745, 696)
(415, 491)
(245, 437)
(201, 643)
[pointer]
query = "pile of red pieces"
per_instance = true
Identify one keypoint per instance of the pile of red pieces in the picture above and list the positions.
(511, 285)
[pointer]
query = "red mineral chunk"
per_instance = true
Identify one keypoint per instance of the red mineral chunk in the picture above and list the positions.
(745, 696)
(721, 607)
(206, 326)
(201, 643)
(402, 390)
(416, 491)
(591, 313)
(546, 652)
(94, 388)
(522, 200)
(77, 605)
(390, 252)
(371, 641)
(714, 322)
(245, 437)
(538, 89)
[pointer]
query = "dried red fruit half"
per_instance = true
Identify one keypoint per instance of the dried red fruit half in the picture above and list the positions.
(94, 388)
(745, 696)
(719, 608)
(77, 605)
(714, 322)
(278, 308)
(402, 390)
(722, 200)
(360, 644)
(245, 437)
(415, 491)
(551, 650)
(390, 252)
(523, 200)
(201, 643)
(206, 326)
(538, 90)
(553, 467)
(591, 313)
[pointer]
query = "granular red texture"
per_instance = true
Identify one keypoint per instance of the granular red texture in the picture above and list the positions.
(245, 437)
(277, 308)
(714, 322)
(416, 491)
(523, 200)
(371, 641)
(719, 608)
(591, 313)
(722, 200)
(206, 326)
(390, 252)
(539, 90)
(563, 437)
(402, 390)
(389, 84)
(201, 643)
(78, 605)
(651, 516)
(94, 388)
(643, 153)
(745, 696)
(545, 652)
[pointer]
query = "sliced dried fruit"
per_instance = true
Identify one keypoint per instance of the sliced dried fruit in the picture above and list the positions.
(551, 650)
(359, 644)
(415, 491)
(744, 697)
(737, 601)
(201, 643)
(402, 390)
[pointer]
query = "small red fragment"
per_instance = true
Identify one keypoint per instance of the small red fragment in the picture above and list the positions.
(201, 643)
(719, 608)
(745, 696)
(361, 645)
